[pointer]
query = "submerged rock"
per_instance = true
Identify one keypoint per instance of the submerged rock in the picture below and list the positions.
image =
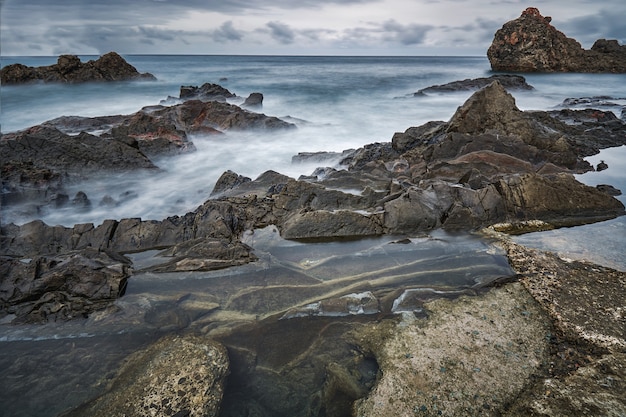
(69, 69)
(176, 376)
(531, 44)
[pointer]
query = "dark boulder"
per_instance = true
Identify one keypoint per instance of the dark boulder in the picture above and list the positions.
(531, 44)
(227, 181)
(206, 92)
(69, 69)
(61, 287)
(254, 100)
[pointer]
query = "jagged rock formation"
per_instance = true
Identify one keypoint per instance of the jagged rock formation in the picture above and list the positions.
(38, 161)
(531, 44)
(490, 163)
(70, 69)
(61, 287)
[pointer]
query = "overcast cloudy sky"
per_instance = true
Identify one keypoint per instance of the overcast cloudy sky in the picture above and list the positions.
(298, 27)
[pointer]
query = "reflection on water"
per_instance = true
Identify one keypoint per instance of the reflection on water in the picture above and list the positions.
(603, 243)
(286, 357)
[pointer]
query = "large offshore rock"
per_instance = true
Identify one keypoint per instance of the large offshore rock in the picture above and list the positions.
(69, 69)
(176, 376)
(531, 44)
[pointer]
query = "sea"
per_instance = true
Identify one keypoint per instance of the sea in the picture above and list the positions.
(337, 103)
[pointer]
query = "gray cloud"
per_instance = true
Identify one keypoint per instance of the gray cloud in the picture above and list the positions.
(281, 32)
(411, 34)
(604, 24)
(227, 32)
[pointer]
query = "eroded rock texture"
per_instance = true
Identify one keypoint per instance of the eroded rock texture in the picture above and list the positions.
(176, 376)
(531, 44)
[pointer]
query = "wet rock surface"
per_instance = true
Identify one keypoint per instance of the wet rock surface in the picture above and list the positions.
(556, 338)
(454, 361)
(531, 44)
(491, 163)
(61, 287)
(509, 82)
(70, 69)
(176, 376)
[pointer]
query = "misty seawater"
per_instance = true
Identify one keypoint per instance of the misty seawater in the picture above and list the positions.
(272, 312)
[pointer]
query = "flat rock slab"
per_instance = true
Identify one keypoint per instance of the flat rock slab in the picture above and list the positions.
(470, 357)
(551, 344)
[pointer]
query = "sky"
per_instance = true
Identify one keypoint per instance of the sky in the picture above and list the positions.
(286, 27)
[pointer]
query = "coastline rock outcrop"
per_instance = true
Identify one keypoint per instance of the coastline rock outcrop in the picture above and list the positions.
(70, 69)
(508, 81)
(61, 287)
(531, 44)
(490, 163)
(557, 337)
(38, 162)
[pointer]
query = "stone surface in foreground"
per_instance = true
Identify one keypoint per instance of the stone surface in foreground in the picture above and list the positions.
(552, 344)
(470, 357)
(177, 376)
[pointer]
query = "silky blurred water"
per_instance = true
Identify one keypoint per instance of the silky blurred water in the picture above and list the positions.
(341, 103)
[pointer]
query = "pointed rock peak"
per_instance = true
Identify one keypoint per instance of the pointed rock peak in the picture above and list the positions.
(491, 108)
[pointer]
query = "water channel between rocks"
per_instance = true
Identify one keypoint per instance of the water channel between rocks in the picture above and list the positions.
(285, 319)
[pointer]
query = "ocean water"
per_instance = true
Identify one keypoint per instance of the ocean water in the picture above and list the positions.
(338, 103)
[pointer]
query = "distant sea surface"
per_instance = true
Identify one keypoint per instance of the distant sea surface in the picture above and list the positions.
(338, 103)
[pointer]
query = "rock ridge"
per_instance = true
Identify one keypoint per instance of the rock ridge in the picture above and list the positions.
(70, 69)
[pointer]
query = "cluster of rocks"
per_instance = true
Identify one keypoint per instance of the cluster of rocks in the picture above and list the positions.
(70, 69)
(39, 162)
(531, 44)
(214, 92)
(490, 163)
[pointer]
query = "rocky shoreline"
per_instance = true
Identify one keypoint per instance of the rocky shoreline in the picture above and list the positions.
(490, 164)
(551, 332)
(550, 344)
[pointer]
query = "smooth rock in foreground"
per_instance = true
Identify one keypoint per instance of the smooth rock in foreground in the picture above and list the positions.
(469, 357)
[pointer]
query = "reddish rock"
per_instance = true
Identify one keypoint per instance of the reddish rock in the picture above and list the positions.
(531, 44)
